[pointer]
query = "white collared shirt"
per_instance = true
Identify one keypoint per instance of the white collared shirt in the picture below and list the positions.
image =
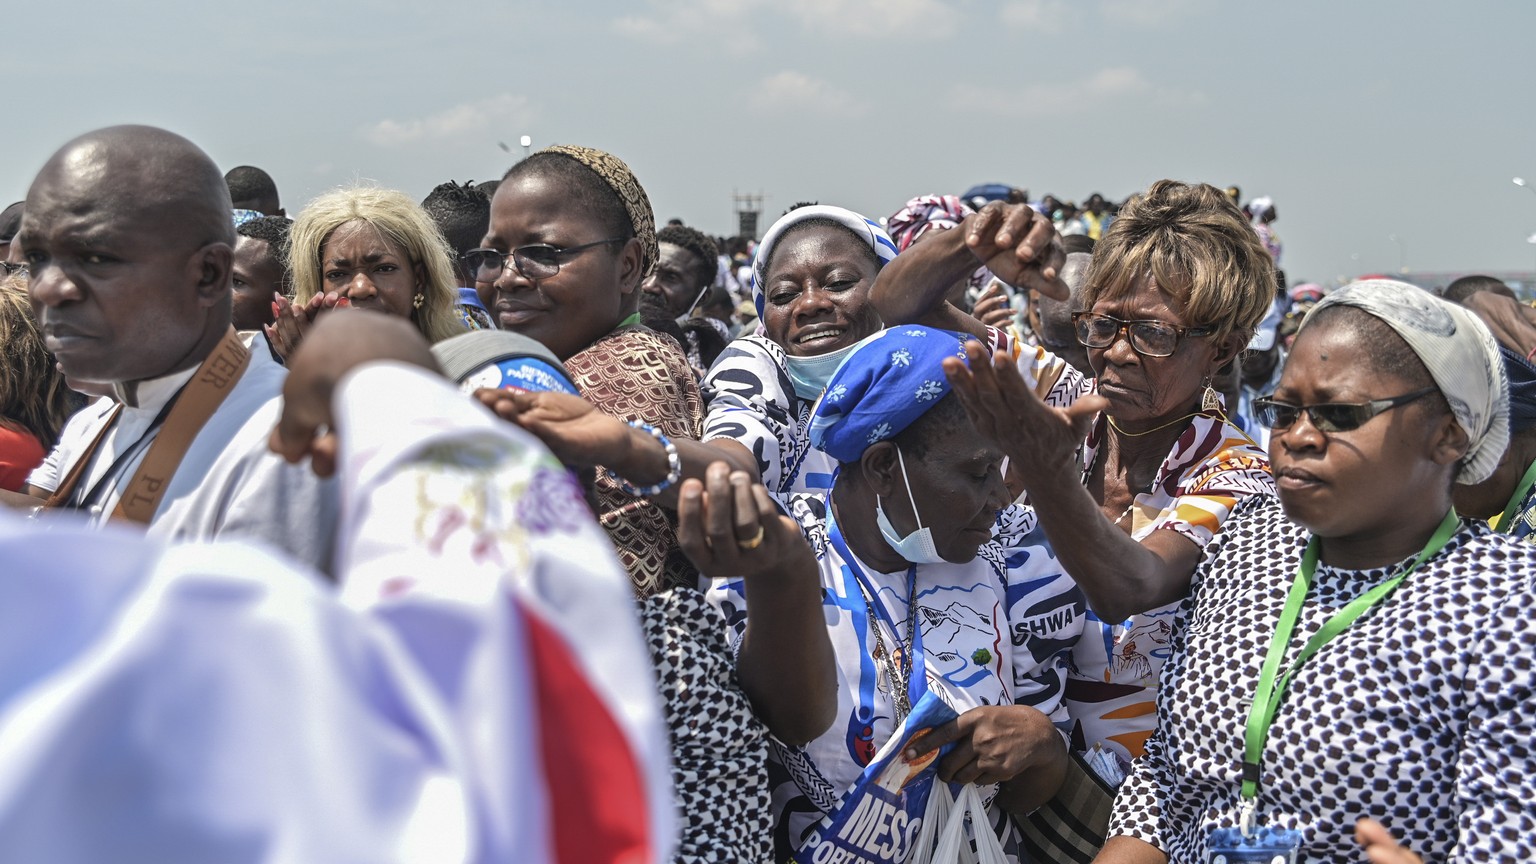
(228, 484)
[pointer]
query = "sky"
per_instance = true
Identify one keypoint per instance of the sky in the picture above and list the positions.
(1387, 133)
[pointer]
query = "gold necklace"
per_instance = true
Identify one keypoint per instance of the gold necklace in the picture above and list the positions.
(1116, 426)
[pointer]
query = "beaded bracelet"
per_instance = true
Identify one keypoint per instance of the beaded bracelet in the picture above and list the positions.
(674, 465)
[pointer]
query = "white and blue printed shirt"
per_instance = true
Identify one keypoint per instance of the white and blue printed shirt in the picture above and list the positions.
(994, 631)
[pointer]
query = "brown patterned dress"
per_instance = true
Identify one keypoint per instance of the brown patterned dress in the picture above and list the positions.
(635, 373)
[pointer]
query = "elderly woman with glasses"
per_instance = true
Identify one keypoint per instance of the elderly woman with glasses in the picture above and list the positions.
(1356, 667)
(1132, 482)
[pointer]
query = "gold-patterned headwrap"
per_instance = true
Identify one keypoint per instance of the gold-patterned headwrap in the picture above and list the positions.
(622, 181)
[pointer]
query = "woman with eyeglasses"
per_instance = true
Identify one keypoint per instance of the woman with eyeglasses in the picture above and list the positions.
(367, 248)
(1131, 483)
(571, 239)
(1357, 662)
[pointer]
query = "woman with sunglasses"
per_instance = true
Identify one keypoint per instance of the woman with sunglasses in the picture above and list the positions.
(1357, 661)
(1130, 484)
(367, 248)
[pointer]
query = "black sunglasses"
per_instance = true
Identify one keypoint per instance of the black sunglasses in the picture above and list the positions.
(1329, 416)
(535, 261)
(1148, 337)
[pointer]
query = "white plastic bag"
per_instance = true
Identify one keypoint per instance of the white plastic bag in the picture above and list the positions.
(935, 818)
(954, 847)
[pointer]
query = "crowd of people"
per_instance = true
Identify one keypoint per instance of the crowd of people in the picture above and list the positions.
(1073, 533)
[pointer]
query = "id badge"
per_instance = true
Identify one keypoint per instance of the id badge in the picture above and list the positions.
(1263, 846)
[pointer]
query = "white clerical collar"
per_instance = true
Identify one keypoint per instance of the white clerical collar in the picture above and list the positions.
(151, 394)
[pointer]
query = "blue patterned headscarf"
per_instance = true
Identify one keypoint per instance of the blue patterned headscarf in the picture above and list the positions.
(867, 230)
(889, 381)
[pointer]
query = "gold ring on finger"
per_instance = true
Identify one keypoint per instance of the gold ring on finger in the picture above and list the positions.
(756, 541)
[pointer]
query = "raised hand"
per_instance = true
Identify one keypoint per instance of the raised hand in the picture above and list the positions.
(1036, 437)
(1019, 246)
(992, 307)
(728, 526)
(292, 322)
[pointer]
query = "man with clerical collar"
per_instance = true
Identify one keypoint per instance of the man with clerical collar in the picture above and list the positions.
(128, 237)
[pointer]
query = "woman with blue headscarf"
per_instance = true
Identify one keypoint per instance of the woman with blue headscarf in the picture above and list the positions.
(812, 281)
(929, 588)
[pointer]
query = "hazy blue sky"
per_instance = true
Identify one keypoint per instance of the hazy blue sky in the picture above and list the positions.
(1361, 119)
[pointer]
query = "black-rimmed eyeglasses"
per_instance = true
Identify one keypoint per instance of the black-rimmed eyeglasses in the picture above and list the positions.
(1329, 416)
(535, 261)
(1148, 337)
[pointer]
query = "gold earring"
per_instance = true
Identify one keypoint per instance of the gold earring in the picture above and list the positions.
(420, 299)
(1210, 402)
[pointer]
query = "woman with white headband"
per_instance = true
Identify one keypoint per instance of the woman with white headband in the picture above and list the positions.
(1355, 650)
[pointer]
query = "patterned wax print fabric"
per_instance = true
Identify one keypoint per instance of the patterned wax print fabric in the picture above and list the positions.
(752, 400)
(1112, 691)
(994, 631)
(635, 374)
(719, 747)
(1420, 715)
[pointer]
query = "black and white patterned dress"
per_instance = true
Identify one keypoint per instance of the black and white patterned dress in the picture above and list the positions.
(719, 747)
(1420, 715)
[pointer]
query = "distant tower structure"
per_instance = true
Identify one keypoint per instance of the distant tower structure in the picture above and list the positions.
(748, 208)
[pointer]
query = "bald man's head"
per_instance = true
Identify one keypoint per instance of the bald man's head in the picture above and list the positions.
(149, 175)
(1052, 319)
(129, 235)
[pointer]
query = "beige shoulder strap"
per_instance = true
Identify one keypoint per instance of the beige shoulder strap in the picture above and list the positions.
(203, 395)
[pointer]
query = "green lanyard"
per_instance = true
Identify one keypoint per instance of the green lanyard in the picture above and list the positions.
(1266, 701)
(1512, 509)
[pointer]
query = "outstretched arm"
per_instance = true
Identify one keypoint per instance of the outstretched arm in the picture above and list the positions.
(579, 434)
(729, 527)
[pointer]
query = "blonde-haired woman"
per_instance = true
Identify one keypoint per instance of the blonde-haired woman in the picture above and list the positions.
(367, 248)
(34, 403)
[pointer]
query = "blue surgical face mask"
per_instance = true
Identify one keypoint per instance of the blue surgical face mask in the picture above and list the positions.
(811, 374)
(916, 547)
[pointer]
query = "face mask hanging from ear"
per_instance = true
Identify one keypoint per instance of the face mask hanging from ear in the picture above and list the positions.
(918, 546)
(811, 374)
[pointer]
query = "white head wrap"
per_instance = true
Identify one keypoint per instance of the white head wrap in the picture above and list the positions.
(1459, 352)
(866, 229)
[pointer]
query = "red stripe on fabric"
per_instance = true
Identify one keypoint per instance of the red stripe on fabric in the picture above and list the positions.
(597, 804)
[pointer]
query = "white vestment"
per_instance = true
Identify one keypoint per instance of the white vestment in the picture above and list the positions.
(229, 485)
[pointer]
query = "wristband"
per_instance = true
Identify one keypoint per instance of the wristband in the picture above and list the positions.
(674, 465)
